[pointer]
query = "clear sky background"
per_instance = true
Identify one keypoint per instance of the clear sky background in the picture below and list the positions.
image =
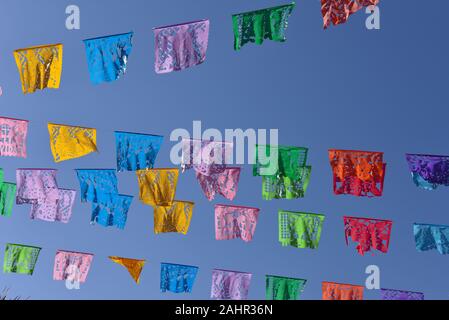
(347, 88)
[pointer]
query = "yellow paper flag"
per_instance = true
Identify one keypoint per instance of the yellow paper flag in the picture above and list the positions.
(69, 142)
(157, 187)
(39, 67)
(175, 218)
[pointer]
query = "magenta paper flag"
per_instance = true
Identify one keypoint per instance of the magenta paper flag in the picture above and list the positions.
(230, 285)
(206, 156)
(180, 46)
(233, 222)
(72, 265)
(60, 211)
(224, 183)
(36, 186)
(13, 133)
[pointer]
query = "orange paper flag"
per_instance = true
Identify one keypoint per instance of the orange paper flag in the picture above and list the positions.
(133, 266)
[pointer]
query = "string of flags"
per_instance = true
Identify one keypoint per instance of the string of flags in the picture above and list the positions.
(176, 278)
(178, 47)
(39, 188)
(357, 173)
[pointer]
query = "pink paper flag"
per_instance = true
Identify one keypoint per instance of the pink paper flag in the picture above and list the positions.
(13, 133)
(72, 265)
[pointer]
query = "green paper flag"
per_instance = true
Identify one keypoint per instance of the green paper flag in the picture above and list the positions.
(284, 172)
(20, 259)
(300, 230)
(7, 196)
(281, 187)
(255, 26)
(283, 288)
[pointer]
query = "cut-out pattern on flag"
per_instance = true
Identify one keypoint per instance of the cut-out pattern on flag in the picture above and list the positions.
(134, 266)
(431, 237)
(70, 142)
(338, 11)
(256, 26)
(39, 67)
(136, 151)
(287, 160)
(429, 171)
(177, 278)
(230, 285)
(111, 210)
(72, 265)
(20, 259)
(39, 188)
(205, 156)
(390, 294)
(60, 211)
(223, 183)
(174, 218)
(288, 176)
(99, 186)
(339, 291)
(7, 196)
(300, 229)
(281, 187)
(157, 187)
(233, 222)
(13, 135)
(95, 182)
(359, 173)
(107, 57)
(283, 288)
(368, 233)
(181, 46)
